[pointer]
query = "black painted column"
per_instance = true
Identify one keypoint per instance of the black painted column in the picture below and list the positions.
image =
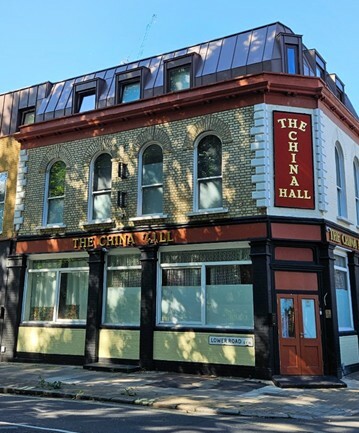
(148, 304)
(94, 304)
(16, 267)
(330, 336)
(263, 308)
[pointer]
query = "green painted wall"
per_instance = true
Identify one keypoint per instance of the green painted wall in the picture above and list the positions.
(54, 341)
(349, 349)
(194, 347)
(121, 344)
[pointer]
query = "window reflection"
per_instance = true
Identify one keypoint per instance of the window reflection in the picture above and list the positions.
(287, 318)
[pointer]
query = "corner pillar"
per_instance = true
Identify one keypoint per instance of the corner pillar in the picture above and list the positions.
(263, 309)
(332, 360)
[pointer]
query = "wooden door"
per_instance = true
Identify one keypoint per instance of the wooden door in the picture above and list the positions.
(300, 346)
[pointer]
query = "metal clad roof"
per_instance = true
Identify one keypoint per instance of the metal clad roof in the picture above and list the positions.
(14, 111)
(202, 55)
(154, 66)
(212, 58)
(33, 94)
(242, 49)
(257, 45)
(6, 117)
(269, 43)
(226, 56)
(55, 96)
(247, 52)
(65, 94)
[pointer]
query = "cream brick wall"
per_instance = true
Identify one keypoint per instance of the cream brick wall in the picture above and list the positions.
(177, 140)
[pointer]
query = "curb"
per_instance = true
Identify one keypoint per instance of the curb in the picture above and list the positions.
(160, 404)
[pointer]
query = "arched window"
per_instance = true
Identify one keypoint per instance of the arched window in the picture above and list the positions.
(55, 193)
(100, 188)
(208, 174)
(356, 187)
(151, 188)
(340, 177)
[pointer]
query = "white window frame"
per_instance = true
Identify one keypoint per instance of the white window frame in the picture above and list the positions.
(59, 271)
(140, 186)
(92, 193)
(195, 265)
(117, 268)
(196, 180)
(343, 254)
(356, 187)
(45, 215)
(340, 182)
(5, 174)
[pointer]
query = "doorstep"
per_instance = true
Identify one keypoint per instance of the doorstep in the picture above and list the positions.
(308, 382)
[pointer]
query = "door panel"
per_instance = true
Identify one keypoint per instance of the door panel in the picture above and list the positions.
(300, 348)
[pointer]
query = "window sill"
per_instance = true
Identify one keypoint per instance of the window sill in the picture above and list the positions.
(95, 224)
(208, 212)
(148, 217)
(206, 328)
(51, 228)
(344, 220)
(50, 324)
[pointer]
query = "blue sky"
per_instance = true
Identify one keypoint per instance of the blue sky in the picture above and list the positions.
(44, 40)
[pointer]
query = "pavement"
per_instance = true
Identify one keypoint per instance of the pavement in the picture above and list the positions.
(183, 392)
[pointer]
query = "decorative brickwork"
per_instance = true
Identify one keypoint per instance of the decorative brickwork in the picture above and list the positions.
(21, 184)
(261, 161)
(177, 139)
(56, 152)
(210, 122)
(156, 134)
(320, 157)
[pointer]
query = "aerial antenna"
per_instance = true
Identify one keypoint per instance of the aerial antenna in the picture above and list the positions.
(148, 28)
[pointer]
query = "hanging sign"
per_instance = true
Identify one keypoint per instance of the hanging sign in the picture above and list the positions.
(293, 160)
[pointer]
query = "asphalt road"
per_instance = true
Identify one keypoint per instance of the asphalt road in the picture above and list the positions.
(39, 415)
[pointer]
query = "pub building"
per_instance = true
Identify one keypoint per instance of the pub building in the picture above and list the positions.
(195, 211)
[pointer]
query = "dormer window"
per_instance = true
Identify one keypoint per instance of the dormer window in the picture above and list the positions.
(26, 116)
(178, 74)
(340, 89)
(179, 78)
(292, 53)
(292, 59)
(86, 101)
(130, 91)
(320, 67)
(86, 96)
(129, 85)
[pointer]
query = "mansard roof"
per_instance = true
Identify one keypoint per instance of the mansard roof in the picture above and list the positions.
(250, 52)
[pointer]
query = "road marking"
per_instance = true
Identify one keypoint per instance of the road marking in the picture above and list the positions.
(49, 429)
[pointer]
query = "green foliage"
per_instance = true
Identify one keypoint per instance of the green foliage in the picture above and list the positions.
(49, 385)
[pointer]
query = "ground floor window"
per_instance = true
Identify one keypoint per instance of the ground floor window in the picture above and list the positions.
(210, 288)
(56, 290)
(343, 294)
(123, 290)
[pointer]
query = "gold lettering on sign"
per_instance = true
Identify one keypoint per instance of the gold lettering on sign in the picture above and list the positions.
(121, 240)
(293, 166)
(343, 239)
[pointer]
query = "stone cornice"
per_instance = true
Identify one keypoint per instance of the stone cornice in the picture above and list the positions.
(270, 88)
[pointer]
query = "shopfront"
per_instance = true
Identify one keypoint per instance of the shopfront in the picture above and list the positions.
(224, 299)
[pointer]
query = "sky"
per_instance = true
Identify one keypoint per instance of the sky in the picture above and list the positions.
(49, 40)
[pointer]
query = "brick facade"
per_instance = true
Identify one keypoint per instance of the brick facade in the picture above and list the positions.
(177, 139)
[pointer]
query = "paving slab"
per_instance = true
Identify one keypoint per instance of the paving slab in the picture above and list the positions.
(184, 392)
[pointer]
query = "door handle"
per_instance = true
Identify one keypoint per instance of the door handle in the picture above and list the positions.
(301, 334)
